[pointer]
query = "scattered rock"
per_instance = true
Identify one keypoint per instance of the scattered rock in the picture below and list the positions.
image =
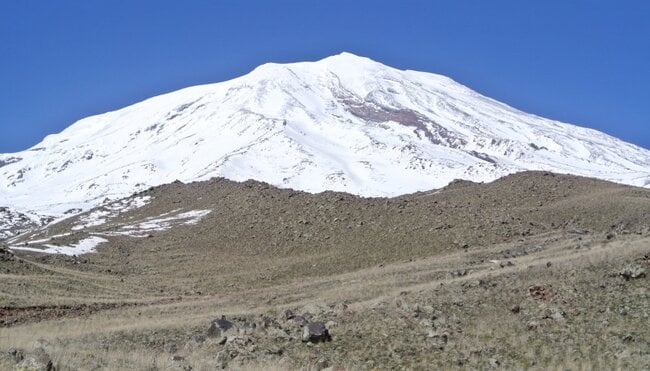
(341, 308)
(509, 254)
(172, 348)
(458, 273)
(287, 315)
(193, 344)
(40, 362)
(532, 325)
(516, 309)
(181, 363)
(222, 359)
(554, 314)
(41, 345)
(278, 334)
(440, 339)
(239, 340)
(625, 353)
(494, 362)
(17, 355)
(506, 264)
(247, 328)
(628, 339)
(315, 310)
(299, 320)
(219, 326)
(540, 293)
(315, 332)
(646, 257)
(632, 272)
(321, 364)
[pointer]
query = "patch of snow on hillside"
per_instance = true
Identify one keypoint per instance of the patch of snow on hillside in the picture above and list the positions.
(159, 223)
(84, 246)
(43, 240)
(99, 217)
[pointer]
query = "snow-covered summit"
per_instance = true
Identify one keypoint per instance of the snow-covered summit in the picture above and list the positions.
(343, 123)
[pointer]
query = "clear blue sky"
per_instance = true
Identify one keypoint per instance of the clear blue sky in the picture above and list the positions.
(584, 62)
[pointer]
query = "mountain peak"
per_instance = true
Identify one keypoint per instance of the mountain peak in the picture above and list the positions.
(343, 123)
(347, 56)
(350, 60)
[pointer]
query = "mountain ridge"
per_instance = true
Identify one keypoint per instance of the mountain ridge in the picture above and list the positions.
(344, 123)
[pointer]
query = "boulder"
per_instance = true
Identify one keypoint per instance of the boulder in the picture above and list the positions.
(315, 332)
(219, 326)
(632, 272)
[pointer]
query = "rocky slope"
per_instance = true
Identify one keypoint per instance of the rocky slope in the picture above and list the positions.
(252, 218)
(532, 271)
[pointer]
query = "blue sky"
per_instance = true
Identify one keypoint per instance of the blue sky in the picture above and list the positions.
(584, 62)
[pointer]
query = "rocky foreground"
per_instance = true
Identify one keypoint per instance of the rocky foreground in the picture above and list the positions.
(535, 271)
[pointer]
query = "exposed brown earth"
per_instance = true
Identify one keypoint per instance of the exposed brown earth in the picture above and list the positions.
(13, 316)
(535, 270)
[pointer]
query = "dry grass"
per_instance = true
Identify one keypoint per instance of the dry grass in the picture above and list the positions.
(394, 262)
(476, 316)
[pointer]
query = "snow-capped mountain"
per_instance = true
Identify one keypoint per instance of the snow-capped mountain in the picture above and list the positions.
(343, 123)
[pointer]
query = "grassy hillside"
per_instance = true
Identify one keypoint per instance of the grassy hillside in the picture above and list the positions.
(535, 270)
